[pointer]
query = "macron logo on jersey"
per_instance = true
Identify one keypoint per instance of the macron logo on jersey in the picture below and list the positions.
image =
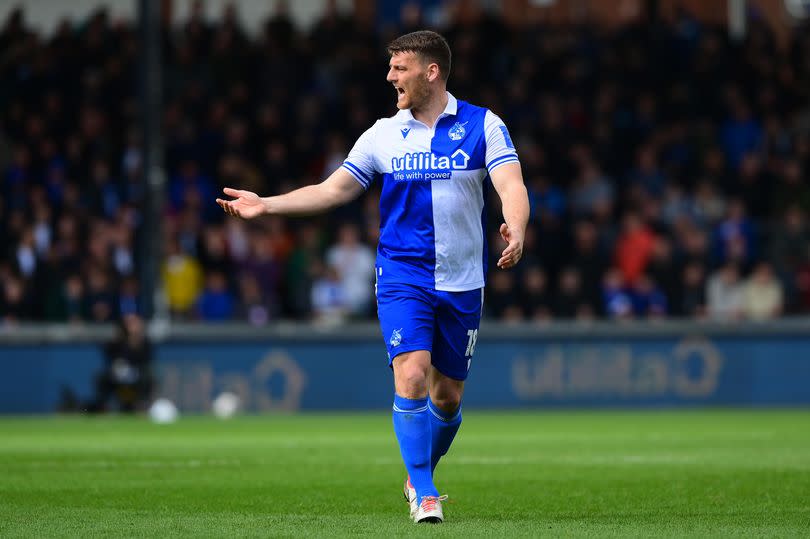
(428, 165)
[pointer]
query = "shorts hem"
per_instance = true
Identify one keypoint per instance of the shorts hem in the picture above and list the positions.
(414, 348)
(444, 372)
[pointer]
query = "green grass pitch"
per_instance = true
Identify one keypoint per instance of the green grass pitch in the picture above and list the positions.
(555, 474)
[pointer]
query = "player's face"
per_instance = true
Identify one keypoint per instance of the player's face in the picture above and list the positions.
(410, 79)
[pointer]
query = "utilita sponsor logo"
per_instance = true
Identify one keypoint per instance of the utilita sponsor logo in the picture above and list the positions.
(429, 161)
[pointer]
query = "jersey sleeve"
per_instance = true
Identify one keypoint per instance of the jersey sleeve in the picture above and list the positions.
(361, 163)
(500, 149)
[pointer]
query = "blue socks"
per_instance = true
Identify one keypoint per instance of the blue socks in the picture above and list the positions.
(425, 433)
(443, 428)
(412, 427)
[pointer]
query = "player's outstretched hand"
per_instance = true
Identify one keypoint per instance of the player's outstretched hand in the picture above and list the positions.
(513, 252)
(246, 205)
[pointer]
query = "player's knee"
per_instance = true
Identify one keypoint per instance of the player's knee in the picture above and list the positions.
(447, 402)
(411, 375)
(411, 382)
(412, 385)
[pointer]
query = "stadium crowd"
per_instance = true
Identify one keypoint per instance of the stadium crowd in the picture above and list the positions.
(665, 165)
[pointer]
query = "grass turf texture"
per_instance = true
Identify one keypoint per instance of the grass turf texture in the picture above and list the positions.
(591, 474)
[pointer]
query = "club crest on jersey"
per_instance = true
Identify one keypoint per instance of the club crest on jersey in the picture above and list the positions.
(396, 337)
(457, 132)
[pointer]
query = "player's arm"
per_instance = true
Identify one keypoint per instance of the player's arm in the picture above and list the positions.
(336, 190)
(508, 182)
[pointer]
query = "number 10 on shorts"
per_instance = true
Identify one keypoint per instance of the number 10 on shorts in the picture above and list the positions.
(472, 338)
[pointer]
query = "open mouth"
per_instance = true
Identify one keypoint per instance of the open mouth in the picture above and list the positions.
(400, 91)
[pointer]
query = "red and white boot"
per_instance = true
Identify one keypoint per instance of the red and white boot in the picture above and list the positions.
(430, 510)
(410, 495)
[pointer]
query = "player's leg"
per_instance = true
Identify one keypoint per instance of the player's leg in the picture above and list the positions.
(412, 420)
(407, 321)
(445, 413)
(458, 316)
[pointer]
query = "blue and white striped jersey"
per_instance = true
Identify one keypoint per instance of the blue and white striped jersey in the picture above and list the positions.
(432, 200)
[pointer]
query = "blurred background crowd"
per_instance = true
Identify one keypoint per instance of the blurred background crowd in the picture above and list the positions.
(666, 165)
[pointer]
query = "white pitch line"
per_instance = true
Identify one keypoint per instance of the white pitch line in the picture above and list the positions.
(131, 463)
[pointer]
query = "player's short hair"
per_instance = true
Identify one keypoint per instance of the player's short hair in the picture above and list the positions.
(428, 46)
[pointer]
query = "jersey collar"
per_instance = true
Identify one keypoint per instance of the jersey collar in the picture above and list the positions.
(450, 110)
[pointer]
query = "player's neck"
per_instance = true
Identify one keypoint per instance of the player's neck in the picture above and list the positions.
(434, 106)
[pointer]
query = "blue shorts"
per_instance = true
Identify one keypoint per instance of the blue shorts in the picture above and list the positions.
(443, 323)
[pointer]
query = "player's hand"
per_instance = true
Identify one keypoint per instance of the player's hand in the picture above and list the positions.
(514, 251)
(247, 204)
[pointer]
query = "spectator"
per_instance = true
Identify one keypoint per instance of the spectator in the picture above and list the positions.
(633, 248)
(741, 134)
(647, 176)
(663, 269)
(570, 300)
(300, 271)
(617, 303)
(262, 265)
(15, 303)
(589, 260)
(692, 293)
(676, 207)
(75, 305)
(503, 299)
(648, 300)
(536, 301)
(593, 192)
(182, 278)
(128, 299)
(100, 295)
(329, 302)
(791, 189)
(253, 308)
(213, 251)
(216, 303)
(27, 259)
(123, 250)
(709, 205)
(725, 293)
(752, 186)
(693, 244)
(763, 294)
(789, 253)
(354, 263)
(734, 237)
(545, 199)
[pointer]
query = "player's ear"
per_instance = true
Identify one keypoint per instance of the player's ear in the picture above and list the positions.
(432, 72)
